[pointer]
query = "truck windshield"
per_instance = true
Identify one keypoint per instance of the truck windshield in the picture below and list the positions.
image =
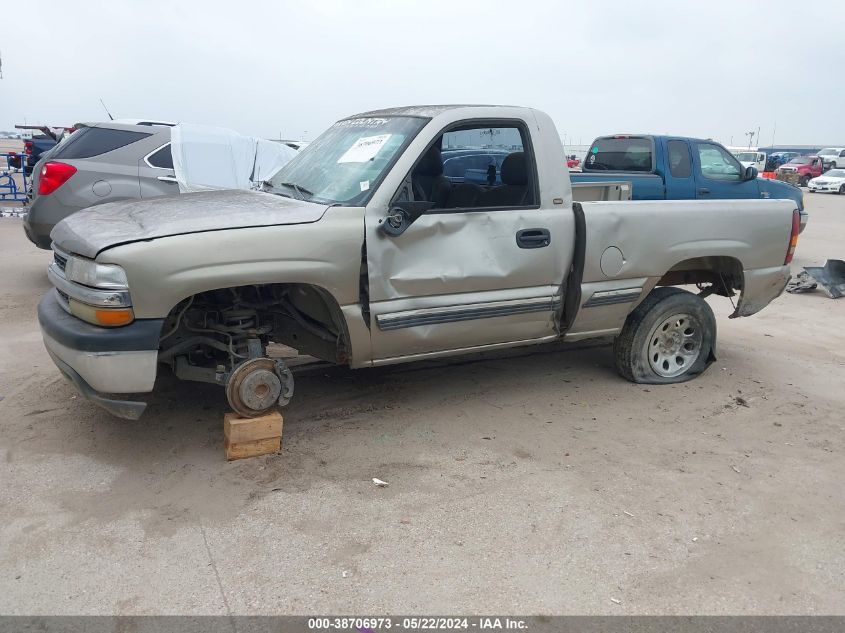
(828, 152)
(748, 157)
(619, 153)
(801, 160)
(347, 161)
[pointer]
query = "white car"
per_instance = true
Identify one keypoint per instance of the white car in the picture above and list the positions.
(832, 181)
(832, 157)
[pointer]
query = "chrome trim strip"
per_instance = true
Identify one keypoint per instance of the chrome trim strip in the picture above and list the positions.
(609, 297)
(450, 314)
(390, 360)
(104, 298)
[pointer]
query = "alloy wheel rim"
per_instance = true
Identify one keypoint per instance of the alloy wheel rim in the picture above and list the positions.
(674, 345)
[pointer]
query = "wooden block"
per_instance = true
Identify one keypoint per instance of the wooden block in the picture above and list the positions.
(237, 429)
(240, 450)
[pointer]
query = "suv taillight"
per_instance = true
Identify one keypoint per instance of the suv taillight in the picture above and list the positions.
(27, 148)
(53, 176)
(793, 238)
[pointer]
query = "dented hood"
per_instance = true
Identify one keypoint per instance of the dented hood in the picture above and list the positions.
(91, 231)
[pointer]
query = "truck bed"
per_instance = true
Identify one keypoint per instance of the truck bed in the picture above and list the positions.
(644, 186)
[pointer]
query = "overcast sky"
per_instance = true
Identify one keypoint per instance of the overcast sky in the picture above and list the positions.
(711, 69)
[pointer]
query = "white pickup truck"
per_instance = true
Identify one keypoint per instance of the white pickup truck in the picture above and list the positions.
(361, 252)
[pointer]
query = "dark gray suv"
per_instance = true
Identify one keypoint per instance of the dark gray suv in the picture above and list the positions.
(98, 163)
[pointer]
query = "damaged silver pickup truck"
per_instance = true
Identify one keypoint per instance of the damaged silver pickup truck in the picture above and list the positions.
(399, 235)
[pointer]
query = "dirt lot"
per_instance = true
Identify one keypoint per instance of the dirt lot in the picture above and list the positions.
(519, 482)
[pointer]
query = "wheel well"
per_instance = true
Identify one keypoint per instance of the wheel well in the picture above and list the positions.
(209, 326)
(723, 274)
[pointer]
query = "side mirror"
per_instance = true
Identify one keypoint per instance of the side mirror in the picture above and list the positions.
(402, 214)
(750, 173)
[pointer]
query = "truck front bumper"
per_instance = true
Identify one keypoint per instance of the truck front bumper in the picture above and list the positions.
(102, 360)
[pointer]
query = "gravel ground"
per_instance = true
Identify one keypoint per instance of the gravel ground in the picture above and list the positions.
(531, 481)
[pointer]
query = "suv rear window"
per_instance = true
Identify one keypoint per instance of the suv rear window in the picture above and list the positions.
(628, 153)
(93, 141)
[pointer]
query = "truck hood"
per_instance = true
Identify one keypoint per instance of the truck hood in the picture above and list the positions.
(93, 230)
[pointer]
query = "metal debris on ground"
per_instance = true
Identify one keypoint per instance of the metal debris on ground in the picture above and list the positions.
(735, 469)
(831, 277)
(378, 482)
(615, 601)
(802, 282)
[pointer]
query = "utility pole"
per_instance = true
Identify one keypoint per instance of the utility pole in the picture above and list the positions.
(1, 64)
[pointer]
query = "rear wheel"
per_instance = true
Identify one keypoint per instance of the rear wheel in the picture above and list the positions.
(842, 190)
(804, 180)
(670, 337)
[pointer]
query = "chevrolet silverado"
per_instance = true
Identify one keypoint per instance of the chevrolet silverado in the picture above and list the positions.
(361, 252)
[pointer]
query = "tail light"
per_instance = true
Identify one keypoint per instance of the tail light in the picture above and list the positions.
(53, 176)
(793, 238)
(27, 148)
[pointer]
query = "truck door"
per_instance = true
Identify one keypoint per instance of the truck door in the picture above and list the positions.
(680, 184)
(719, 175)
(155, 171)
(484, 265)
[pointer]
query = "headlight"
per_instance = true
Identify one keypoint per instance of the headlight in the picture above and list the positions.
(89, 273)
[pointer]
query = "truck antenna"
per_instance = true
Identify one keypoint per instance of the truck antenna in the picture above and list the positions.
(111, 118)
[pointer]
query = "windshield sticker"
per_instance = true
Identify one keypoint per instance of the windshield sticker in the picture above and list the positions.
(365, 149)
(365, 185)
(595, 150)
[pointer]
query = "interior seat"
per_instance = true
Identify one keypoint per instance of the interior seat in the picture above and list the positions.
(515, 191)
(428, 180)
(464, 195)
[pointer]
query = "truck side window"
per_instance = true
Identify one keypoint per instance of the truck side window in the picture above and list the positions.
(477, 167)
(679, 162)
(717, 163)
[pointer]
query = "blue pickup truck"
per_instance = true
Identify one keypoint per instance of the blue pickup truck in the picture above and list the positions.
(678, 168)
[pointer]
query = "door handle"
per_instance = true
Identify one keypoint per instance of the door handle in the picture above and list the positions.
(704, 191)
(170, 179)
(533, 238)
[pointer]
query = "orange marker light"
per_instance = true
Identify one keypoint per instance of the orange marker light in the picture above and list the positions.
(114, 317)
(106, 317)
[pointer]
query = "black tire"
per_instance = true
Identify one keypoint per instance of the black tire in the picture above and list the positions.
(804, 180)
(842, 190)
(633, 347)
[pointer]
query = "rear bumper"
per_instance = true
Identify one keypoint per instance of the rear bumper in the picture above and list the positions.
(102, 360)
(44, 214)
(761, 287)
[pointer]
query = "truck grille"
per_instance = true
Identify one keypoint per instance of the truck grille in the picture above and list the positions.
(61, 262)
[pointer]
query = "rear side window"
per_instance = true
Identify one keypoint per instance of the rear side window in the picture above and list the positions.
(679, 163)
(93, 141)
(624, 153)
(162, 158)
